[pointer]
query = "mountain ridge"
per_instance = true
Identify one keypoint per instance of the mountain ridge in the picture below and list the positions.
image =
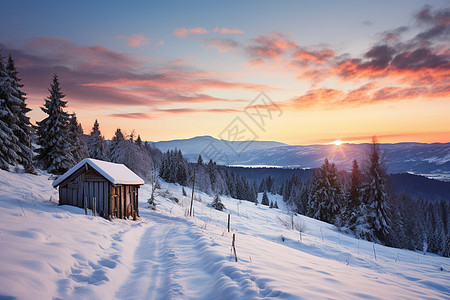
(428, 159)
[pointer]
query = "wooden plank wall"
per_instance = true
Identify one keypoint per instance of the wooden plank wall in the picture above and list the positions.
(124, 202)
(111, 201)
(74, 195)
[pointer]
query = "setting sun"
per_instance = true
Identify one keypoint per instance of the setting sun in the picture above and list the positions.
(337, 142)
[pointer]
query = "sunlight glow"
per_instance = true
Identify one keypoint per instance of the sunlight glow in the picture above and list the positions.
(337, 142)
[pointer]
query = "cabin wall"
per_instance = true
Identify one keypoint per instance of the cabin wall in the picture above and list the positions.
(119, 201)
(124, 201)
(77, 193)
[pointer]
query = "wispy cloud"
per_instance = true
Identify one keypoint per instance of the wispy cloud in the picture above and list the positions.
(135, 116)
(233, 30)
(135, 40)
(222, 45)
(158, 113)
(183, 31)
(97, 75)
(269, 46)
(394, 68)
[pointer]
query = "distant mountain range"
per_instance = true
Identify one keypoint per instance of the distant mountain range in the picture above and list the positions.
(431, 160)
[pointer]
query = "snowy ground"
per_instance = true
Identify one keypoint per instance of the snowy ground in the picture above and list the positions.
(49, 251)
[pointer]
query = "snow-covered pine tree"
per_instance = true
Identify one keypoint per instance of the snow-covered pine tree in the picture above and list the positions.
(353, 196)
(79, 147)
(9, 107)
(446, 250)
(375, 195)
(326, 194)
(23, 131)
(217, 203)
(125, 151)
(265, 199)
(96, 143)
(54, 154)
(139, 141)
(116, 147)
(200, 160)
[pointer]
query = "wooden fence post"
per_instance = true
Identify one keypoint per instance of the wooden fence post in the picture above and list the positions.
(229, 222)
(85, 205)
(233, 245)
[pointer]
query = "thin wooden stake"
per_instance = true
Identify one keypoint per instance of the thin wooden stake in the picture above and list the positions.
(321, 233)
(374, 252)
(85, 205)
(93, 206)
(229, 222)
(234, 247)
(192, 198)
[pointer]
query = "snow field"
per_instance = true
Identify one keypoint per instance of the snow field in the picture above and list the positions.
(50, 251)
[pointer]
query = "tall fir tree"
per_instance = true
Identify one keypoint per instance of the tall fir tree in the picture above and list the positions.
(326, 194)
(55, 152)
(139, 141)
(96, 143)
(265, 199)
(116, 147)
(23, 130)
(353, 196)
(76, 138)
(9, 110)
(375, 195)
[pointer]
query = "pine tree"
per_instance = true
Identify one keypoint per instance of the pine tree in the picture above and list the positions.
(79, 147)
(9, 107)
(23, 131)
(54, 154)
(265, 199)
(326, 194)
(353, 197)
(446, 250)
(116, 147)
(96, 143)
(200, 160)
(217, 203)
(375, 196)
(139, 141)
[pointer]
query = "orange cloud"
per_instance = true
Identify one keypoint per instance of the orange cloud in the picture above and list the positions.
(135, 40)
(270, 46)
(183, 31)
(233, 30)
(318, 56)
(369, 93)
(97, 75)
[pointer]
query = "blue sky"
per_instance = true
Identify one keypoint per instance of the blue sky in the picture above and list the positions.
(200, 63)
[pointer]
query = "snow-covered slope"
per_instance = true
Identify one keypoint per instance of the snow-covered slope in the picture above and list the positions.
(50, 251)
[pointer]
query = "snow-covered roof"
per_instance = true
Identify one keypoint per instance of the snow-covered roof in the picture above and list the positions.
(114, 173)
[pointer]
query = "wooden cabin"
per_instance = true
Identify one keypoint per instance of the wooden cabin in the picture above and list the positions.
(113, 188)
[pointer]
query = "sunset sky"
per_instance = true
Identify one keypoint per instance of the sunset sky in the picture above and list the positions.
(343, 70)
